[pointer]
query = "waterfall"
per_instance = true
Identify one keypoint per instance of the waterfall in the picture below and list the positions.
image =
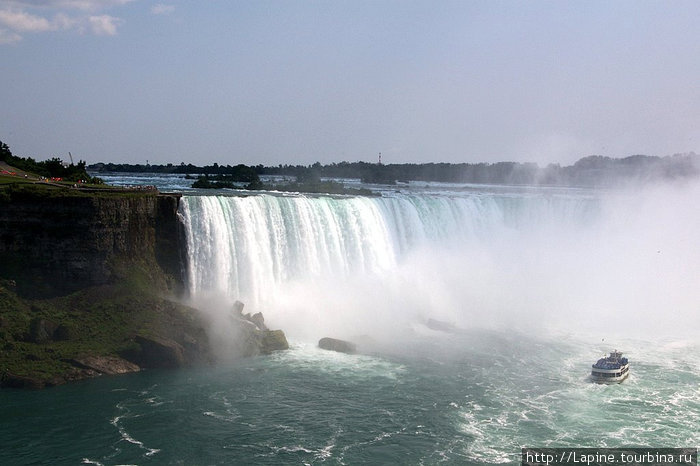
(246, 246)
(336, 255)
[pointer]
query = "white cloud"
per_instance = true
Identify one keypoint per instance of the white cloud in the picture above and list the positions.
(20, 21)
(91, 5)
(162, 9)
(18, 17)
(84, 5)
(104, 25)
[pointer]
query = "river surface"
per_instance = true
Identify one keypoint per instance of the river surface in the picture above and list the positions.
(532, 284)
(475, 398)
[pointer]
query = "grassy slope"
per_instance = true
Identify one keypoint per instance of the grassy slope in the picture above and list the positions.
(93, 321)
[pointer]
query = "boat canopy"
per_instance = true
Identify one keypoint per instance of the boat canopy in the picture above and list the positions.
(614, 361)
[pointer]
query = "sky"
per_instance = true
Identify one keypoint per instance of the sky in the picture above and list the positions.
(296, 82)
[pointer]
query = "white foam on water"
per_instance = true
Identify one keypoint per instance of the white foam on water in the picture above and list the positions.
(657, 405)
(305, 356)
(125, 436)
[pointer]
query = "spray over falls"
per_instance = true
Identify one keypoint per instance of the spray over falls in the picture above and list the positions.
(353, 265)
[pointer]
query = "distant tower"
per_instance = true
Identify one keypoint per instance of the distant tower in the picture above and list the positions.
(380, 158)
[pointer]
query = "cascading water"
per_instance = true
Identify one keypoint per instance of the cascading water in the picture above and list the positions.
(329, 258)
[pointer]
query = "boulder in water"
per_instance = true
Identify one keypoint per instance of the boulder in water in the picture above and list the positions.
(442, 326)
(253, 336)
(334, 344)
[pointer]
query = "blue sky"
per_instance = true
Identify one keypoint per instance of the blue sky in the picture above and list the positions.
(303, 81)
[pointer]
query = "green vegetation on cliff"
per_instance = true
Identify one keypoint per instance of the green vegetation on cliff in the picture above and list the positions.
(42, 338)
(53, 168)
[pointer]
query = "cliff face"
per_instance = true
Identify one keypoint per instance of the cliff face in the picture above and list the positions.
(55, 245)
(88, 285)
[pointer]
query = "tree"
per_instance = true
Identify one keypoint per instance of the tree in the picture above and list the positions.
(307, 175)
(5, 153)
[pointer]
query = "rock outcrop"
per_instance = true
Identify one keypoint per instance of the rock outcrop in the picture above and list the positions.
(254, 337)
(80, 368)
(273, 340)
(334, 344)
(159, 352)
(258, 320)
(108, 365)
(442, 326)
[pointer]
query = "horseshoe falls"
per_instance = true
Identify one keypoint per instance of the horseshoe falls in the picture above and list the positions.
(380, 266)
(362, 264)
(531, 286)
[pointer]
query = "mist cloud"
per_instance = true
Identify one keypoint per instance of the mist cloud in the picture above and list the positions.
(626, 268)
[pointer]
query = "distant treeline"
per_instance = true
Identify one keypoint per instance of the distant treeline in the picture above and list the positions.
(182, 168)
(51, 168)
(594, 170)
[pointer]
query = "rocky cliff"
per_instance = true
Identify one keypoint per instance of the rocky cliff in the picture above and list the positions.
(89, 285)
(54, 245)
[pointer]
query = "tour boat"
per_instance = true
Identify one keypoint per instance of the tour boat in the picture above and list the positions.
(612, 369)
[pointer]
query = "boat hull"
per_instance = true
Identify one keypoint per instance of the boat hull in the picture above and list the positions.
(609, 376)
(609, 380)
